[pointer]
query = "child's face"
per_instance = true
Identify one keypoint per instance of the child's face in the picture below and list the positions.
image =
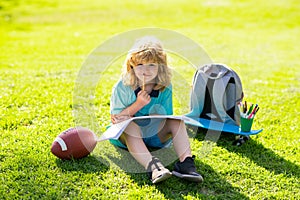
(146, 72)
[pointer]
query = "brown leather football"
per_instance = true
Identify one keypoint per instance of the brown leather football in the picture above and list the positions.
(74, 143)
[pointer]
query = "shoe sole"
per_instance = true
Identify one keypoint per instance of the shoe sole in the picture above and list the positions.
(162, 177)
(187, 177)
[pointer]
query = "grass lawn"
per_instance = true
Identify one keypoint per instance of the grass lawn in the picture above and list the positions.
(43, 45)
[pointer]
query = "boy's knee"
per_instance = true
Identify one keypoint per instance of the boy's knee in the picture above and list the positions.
(132, 130)
(175, 122)
(173, 125)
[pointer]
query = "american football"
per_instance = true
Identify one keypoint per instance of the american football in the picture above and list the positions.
(74, 143)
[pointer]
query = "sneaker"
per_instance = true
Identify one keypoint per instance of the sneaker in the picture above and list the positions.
(187, 170)
(157, 172)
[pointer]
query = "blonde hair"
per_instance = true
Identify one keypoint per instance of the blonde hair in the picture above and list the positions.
(147, 50)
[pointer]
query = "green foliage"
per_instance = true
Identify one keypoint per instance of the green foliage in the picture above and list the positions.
(44, 43)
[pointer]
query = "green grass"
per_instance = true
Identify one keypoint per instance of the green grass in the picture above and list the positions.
(43, 45)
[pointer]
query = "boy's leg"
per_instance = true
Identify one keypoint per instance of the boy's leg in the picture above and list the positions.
(136, 146)
(185, 167)
(176, 129)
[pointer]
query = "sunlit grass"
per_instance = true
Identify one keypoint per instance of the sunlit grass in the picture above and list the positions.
(43, 45)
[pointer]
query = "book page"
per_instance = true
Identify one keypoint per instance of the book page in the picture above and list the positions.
(116, 130)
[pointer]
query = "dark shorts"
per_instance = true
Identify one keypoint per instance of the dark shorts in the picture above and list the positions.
(149, 130)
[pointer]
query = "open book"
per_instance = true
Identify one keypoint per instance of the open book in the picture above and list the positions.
(116, 130)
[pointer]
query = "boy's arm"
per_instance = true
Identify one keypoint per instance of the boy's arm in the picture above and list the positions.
(143, 98)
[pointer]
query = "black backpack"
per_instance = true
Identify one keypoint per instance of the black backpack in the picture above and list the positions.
(217, 90)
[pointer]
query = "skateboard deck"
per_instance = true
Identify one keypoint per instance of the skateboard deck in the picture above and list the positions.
(219, 126)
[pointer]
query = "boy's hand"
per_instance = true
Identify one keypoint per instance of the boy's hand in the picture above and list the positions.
(143, 98)
(119, 118)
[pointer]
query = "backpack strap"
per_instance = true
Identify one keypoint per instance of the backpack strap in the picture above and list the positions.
(197, 94)
(231, 92)
(235, 96)
(209, 110)
(218, 96)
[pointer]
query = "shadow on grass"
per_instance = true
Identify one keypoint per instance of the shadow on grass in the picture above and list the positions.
(213, 187)
(259, 154)
(88, 164)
